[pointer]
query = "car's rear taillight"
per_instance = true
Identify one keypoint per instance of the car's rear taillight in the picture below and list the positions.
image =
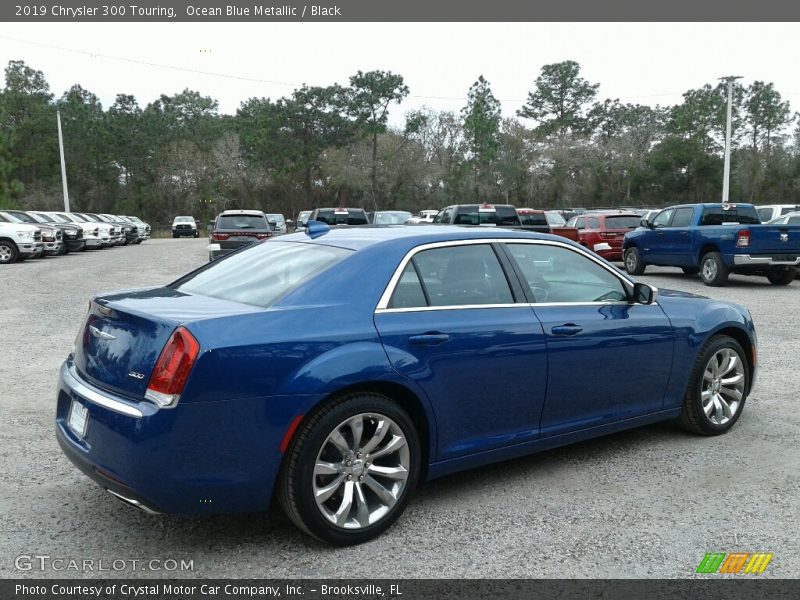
(263, 236)
(172, 368)
(219, 237)
(743, 239)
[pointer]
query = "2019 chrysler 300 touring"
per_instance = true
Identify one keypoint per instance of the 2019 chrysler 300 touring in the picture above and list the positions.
(421, 351)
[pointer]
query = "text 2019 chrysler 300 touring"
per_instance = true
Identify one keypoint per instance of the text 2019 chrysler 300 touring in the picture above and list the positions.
(336, 369)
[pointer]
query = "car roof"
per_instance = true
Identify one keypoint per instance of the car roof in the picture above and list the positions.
(358, 238)
(257, 213)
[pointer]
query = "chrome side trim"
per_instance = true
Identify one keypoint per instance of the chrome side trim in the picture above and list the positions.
(96, 397)
(383, 303)
(747, 259)
(134, 503)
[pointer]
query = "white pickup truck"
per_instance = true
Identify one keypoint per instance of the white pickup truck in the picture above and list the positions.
(18, 241)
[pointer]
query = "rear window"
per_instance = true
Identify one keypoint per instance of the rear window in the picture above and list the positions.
(737, 215)
(623, 222)
(353, 217)
(262, 274)
(241, 222)
(533, 219)
(502, 215)
(555, 219)
(391, 218)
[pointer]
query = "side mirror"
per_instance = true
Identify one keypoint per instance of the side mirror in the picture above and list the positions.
(643, 293)
(646, 223)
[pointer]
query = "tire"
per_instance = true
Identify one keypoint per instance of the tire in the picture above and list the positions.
(313, 442)
(713, 271)
(784, 277)
(8, 252)
(694, 416)
(633, 261)
(196, 234)
(63, 249)
(691, 270)
(174, 235)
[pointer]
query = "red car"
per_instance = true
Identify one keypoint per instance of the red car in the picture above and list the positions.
(603, 232)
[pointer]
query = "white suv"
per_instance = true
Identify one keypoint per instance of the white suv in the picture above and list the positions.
(18, 241)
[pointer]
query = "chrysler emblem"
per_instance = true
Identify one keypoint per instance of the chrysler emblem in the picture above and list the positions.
(784, 237)
(101, 334)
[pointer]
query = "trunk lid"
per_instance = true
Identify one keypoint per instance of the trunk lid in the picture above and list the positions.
(124, 333)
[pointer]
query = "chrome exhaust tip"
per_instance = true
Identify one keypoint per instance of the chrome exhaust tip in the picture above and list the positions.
(134, 503)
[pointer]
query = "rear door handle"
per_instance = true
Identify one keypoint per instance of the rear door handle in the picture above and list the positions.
(432, 338)
(568, 329)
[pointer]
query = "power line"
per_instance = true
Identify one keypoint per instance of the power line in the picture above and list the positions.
(273, 82)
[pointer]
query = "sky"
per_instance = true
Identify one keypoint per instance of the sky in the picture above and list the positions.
(646, 63)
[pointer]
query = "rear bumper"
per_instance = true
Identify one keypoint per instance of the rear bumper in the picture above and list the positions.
(748, 260)
(195, 459)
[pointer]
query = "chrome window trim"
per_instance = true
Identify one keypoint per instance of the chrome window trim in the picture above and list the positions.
(383, 303)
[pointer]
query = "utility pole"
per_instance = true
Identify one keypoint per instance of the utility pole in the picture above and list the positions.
(726, 173)
(63, 166)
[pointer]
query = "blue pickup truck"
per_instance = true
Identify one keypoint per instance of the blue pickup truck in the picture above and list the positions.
(714, 240)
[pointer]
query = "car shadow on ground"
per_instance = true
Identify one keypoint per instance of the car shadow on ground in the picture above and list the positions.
(273, 527)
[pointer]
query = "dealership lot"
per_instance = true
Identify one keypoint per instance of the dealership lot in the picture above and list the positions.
(645, 503)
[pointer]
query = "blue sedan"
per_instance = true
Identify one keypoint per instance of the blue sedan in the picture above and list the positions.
(335, 369)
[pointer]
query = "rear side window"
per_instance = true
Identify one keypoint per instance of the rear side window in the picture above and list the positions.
(740, 215)
(261, 274)
(623, 222)
(241, 222)
(765, 214)
(787, 209)
(408, 293)
(683, 217)
(533, 219)
(593, 223)
(458, 276)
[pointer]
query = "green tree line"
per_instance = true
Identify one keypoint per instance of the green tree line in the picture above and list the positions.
(333, 146)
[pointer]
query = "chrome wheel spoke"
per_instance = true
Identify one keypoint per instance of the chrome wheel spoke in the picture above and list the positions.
(357, 429)
(709, 407)
(337, 439)
(383, 494)
(377, 437)
(327, 468)
(340, 516)
(733, 381)
(362, 508)
(389, 472)
(321, 494)
(394, 445)
(731, 392)
(724, 407)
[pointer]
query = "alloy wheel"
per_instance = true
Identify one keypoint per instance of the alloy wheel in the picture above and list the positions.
(5, 254)
(361, 471)
(709, 269)
(723, 386)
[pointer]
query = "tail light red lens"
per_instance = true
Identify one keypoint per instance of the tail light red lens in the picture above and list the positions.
(172, 368)
(263, 236)
(743, 239)
(220, 236)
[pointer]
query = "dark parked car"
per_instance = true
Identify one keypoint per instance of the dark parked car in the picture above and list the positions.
(205, 396)
(339, 216)
(501, 215)
(233, 229)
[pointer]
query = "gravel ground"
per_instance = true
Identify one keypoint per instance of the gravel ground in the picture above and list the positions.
(644, 503)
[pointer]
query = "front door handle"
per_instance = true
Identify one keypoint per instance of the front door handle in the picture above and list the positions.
(567, 329)
(431, 338)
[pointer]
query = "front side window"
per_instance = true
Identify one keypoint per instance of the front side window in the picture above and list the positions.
(558, 274)
(454, 276)
(663, 218)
